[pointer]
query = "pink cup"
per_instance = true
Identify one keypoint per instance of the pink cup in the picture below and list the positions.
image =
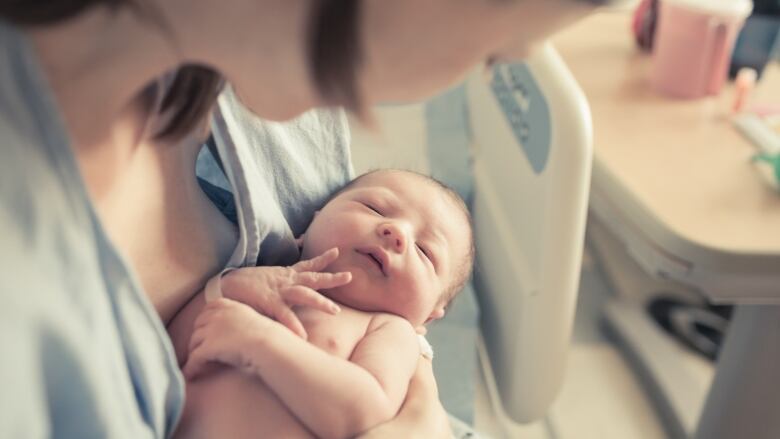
(693, 44)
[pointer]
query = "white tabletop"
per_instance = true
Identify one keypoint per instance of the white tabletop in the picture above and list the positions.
(680, 160)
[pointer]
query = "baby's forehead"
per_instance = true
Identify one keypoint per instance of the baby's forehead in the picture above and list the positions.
(440, 207)
(403, 184)
(428, 197)
(388, 176)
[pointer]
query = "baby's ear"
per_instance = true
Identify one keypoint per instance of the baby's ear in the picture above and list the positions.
(437, 313)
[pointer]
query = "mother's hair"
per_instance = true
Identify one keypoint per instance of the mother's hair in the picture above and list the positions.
(333, 50)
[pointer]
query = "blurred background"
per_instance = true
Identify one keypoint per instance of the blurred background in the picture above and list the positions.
(682, 224)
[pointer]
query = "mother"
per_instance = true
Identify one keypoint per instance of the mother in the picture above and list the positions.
(102, 221)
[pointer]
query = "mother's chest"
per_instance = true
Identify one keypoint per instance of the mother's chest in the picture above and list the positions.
(168, 231)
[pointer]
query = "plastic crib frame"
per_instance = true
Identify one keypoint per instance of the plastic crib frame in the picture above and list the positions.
(532, 153)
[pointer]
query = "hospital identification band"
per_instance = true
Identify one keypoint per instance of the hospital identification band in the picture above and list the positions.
(213, 290)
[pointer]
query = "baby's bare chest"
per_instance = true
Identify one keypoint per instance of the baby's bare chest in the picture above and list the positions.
(336, 334)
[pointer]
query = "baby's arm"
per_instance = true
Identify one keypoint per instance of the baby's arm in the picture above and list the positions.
(338, 398)
(333, 397)
(273, 291)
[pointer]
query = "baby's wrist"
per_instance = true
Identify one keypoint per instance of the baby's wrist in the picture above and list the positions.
(258, 345)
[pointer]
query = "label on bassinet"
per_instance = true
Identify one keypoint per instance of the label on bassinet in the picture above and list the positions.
(526, 111)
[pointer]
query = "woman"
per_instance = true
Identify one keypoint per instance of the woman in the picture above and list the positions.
(98, 157)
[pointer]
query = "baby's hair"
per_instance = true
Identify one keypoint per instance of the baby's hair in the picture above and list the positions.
(462, 273)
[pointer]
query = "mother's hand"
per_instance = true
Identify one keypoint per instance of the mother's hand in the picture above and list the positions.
(422, 415)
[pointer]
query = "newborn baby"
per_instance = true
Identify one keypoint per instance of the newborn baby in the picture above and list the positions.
(397, 247)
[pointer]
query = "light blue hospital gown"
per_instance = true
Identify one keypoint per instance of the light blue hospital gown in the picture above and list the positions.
(83, 353)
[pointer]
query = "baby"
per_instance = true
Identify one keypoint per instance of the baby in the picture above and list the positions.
(397, 247)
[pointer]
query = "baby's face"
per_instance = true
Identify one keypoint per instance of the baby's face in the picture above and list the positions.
(402, 238)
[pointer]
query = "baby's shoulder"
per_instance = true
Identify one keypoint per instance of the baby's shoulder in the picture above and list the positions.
(382, 319)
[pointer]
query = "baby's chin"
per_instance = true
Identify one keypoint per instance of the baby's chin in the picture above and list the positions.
(362, 297)
(356, 294)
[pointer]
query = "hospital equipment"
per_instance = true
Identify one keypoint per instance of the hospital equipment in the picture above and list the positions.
(743, 86)
(758, 131)
(532, 154)
(520, 148)
(709, 225)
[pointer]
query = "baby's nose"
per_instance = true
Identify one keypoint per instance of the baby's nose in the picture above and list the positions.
(393, 236)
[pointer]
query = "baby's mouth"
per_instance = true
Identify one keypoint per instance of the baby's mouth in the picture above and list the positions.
(375, 257)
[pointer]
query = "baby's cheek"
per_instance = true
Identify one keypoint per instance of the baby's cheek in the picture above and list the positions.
(423, 293)
(329, 234)
(310, 247)
(356, 293)
(317, 240)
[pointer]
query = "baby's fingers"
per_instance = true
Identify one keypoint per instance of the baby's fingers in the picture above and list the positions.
(287, 317)
(322, 281)
(196, 339)
(195, 365)
(317, 263)
(305, 296)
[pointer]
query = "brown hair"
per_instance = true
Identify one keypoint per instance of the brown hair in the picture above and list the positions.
(42, 12)
(334, 56)
(189, 100)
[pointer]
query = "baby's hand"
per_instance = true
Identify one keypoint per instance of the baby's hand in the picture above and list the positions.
(274, 290)
(224, 333)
